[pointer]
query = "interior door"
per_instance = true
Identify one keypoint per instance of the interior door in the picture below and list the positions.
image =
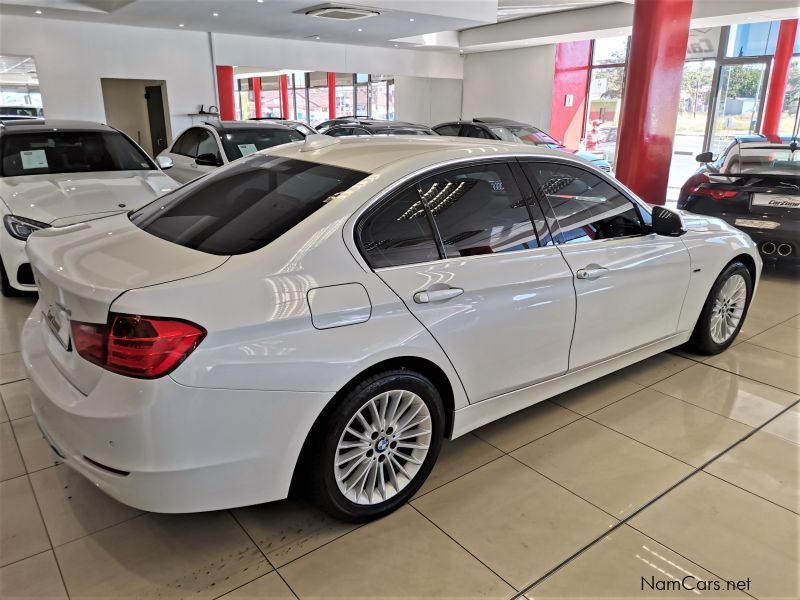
(629, 283)
(155, 114)
(461, 250)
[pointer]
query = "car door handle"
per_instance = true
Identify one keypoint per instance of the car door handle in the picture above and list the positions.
(437, 295)
(591, 272)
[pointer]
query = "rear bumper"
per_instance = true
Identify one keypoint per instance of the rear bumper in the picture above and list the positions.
(164, 447)
(786, 236)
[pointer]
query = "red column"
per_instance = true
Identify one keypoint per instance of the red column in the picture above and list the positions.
(331, 95)
(651, 97)
(571, 78)
(283, 86)
(778, 78)
(255, 85)
(227, 105)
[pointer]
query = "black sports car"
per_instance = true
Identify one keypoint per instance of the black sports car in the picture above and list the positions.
(755, 186)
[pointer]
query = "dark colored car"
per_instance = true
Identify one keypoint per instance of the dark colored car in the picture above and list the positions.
(325, 125)
(298, 126)
(754, 184)
(494, 128)
(375, 127)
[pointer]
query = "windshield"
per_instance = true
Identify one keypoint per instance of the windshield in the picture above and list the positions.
(524, 134)
(245, 206)
(765, 160)
(48, 152)
(241, 142)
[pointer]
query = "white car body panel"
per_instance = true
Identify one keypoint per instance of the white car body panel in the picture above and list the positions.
(291, 324)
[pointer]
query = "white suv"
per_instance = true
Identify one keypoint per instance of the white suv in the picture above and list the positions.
(59, 172)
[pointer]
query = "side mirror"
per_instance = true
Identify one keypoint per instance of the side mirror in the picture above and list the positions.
(666, 222)
(208, 160)
(704, 157)
(164, 162)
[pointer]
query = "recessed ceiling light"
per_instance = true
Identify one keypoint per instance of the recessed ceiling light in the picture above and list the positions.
(260, 1)
(214, 14)
(38, 12)
(316, 37)
(412, 20)
(180, 24)
(396, 45)
(360, 29)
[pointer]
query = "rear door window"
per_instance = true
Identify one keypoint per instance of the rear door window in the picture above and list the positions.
(448, 129)
(187, 143)
(245, 206)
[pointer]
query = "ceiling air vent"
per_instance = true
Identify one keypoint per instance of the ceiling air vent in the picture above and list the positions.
(342, 13)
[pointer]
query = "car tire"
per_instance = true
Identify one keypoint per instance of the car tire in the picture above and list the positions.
(365, 464)
(5, 285)
(728, 300)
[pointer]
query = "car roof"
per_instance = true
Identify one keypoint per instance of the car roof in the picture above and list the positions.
(230, 125)
(760, 140)
(368, 154)
(486, 121)
(29, 125)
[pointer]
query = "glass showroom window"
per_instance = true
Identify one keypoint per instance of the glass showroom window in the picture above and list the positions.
(298, 96)
(605, 95)
(19, 87)
(245, 102)
(378, 97)
(345, 94)
(317, 97)
(790, 115)
(362, 95)
(270, 97)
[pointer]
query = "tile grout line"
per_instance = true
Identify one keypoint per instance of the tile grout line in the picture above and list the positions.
(264, 554)
(651, 502)
(455, 541)
(709, 473)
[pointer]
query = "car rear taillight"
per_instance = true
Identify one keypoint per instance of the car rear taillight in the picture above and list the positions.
(136, 346)
(714, 193)
(696, 186)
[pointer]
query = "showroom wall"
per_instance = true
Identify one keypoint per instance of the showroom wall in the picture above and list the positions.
(517, 84)
(427, 100)
(73, 56)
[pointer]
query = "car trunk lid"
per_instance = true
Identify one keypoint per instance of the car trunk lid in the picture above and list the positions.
(81, 269)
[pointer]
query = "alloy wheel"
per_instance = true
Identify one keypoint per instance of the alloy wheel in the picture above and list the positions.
(728, 309)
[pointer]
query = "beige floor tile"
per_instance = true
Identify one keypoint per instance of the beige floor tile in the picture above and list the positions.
(726, 394)
(515, 430)
(400, 556)
(677, 428)
(764, 365)
(35, 578)
(266, 587)
(730, 532)
(289, 529)
(17, 399)
(9, 340)
(513, 519)
(3, 413)
(22, 533)
(793, 322)
(782, 338)
(619, 565)
(786, 426)
(458, 456)
(36, 452)
(765, 465)
(72, 506)
(655, 368)
(606, 468)
(11, 368)
(595, 395)
(200, 555)
(756, 324)
(11, 464)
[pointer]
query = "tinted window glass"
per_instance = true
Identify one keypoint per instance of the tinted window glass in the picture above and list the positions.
(245, 206)
(187, 143)
(398, 233)
(479, 210)
(241, 142)
(448, 130)
(476, 132)
(39, 153)
(360, 131)
(586, 207)
(525, 135)
(208, 145)
(340, 131)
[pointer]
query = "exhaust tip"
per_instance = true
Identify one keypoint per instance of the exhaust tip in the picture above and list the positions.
(768, 248)
(784, 250)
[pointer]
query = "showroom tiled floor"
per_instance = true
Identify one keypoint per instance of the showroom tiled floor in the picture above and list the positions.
(676, 466)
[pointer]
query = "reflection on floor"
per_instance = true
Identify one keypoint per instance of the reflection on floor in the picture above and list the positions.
(575, 497)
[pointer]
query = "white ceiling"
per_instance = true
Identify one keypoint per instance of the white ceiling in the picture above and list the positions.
(405, 23)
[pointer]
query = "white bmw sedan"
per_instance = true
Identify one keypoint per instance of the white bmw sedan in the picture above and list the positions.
(329, 311)
(59, 172)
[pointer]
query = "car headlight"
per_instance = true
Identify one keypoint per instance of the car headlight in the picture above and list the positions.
(20, 227)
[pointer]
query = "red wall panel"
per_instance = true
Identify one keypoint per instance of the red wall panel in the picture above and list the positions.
(571, 77)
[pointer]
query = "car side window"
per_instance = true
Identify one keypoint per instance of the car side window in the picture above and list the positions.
(452, 129)
(475, 132)
(187, 143)
(340, 131)
(584, 206)
(207, 144)
(399, 232)
(360, 131)
(479, 210)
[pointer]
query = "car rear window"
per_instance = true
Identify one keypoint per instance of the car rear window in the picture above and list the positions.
(241, 142)
(245, 206)
(47, 152)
